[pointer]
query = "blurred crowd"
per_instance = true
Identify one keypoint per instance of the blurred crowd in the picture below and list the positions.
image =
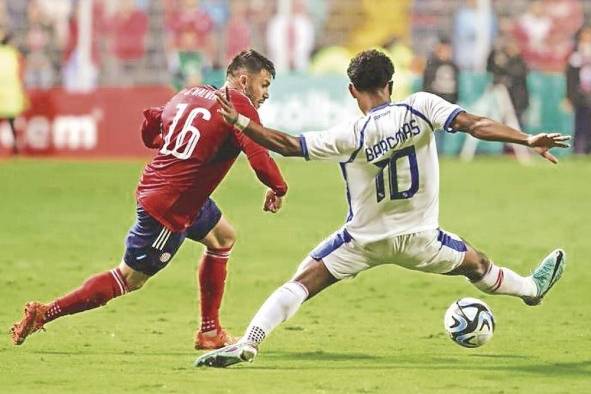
(150, 41)
(184, 42)
(189, 37)
(549, 36)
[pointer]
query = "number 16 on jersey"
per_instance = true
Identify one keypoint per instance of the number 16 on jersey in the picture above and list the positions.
(186, 140)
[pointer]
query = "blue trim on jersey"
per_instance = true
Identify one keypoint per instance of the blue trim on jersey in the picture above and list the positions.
(361, 141)
(330, 245)
(379, 107)
(447, 240)
(304, 147)
(344, 168)
(417, 113)
(344, 172)
(450, 119)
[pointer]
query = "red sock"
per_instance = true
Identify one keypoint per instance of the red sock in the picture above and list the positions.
(95, 292)
(212, 280)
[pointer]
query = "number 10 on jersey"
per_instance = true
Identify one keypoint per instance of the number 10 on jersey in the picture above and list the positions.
(396, 194)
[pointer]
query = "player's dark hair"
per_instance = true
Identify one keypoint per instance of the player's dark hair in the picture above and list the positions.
(370, 70)
(252, 61)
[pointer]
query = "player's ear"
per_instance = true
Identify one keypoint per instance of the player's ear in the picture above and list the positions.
(353, 91)
(243, 80)
(390, 87)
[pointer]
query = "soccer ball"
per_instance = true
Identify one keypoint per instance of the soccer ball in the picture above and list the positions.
(469, 322)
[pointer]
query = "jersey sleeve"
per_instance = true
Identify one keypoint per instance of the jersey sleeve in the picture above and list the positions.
(258, 157)
(439, 112)
(152, 127)
(337, 143)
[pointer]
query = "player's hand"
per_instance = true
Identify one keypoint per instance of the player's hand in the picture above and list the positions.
(272, 202)
(227, 110)
(543, 142)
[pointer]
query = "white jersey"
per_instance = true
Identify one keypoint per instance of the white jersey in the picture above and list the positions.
(389, 161)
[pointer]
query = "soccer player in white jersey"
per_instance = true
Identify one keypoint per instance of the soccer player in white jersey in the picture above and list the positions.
(389, 162)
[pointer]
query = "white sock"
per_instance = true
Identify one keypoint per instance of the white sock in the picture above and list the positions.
(501, 280)
(280, 306)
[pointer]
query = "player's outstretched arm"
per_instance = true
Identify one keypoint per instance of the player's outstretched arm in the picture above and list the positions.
(277, 141)
(489, 130)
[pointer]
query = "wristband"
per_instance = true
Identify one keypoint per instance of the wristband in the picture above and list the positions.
(242, 122)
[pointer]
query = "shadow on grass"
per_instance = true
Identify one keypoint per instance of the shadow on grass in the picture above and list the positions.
(320, 356)
(481, 362)
(513, 363)
(86, 353)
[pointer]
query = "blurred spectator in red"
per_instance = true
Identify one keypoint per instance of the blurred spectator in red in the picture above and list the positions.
(128, 27)
(40, 69)
(567, 15)
(535, 26)
(12, 96)
(567, 18)
(545, 33)
(290, 37)
(183, 16)
(554, 55)
(238, 35)
(578, 90)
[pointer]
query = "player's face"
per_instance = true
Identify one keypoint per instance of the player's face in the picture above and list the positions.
(257, 87)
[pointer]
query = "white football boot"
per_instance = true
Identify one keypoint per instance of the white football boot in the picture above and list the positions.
(226, 356)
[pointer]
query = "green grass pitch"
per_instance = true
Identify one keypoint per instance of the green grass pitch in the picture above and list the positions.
(379, 333)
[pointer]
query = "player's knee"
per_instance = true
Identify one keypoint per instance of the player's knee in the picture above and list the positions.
(228, 239)
(222, 236)
(133, 279)
(479, 268)
(133, 285)
(314, 277)
(474, 266)
(303, 265)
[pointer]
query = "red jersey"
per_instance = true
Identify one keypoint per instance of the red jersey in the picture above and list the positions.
(197, 148)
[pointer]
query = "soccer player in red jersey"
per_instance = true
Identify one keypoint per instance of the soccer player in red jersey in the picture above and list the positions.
(196, 150)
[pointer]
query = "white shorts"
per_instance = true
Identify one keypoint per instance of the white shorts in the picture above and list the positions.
(433, 251)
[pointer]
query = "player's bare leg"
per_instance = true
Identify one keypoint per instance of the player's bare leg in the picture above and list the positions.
(211, 276)
(492, 279)
(280, 306)
(96, 291)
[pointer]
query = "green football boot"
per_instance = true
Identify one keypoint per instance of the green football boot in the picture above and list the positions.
(546, 275)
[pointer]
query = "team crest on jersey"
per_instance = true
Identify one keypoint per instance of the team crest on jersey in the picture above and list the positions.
(164, 257)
